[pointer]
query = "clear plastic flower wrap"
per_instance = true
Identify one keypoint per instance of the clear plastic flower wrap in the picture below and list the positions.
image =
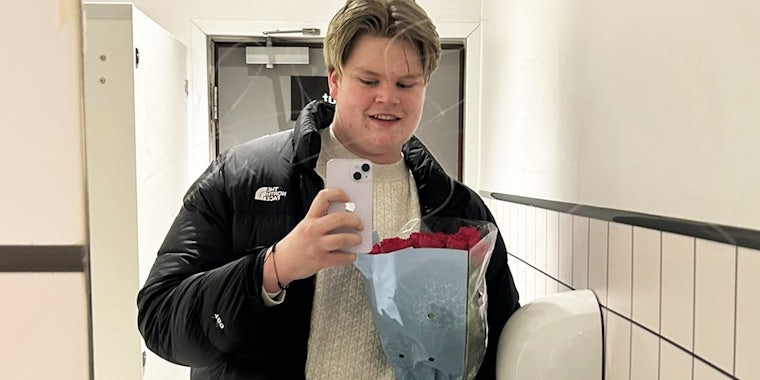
(427, 292)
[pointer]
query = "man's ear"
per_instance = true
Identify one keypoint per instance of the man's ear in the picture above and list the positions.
(333, 81)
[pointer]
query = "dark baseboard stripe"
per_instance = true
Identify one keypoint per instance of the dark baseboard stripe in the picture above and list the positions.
(742, 237)
(43, 258)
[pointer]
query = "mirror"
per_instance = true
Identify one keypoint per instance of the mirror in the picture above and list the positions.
(648, 108)
(158, 158)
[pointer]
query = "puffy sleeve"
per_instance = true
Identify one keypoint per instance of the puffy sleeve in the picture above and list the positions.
(200, 300)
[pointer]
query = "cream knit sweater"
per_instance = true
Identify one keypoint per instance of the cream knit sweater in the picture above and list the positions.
(343, 343)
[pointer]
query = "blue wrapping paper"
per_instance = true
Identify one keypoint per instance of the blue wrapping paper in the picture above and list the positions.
(429, 307)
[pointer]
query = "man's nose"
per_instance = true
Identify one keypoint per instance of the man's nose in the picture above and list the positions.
(387, 93)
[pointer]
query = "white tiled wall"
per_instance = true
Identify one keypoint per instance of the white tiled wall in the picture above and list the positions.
(514, 219)
(620, 269)
(597, 258)
(675, 363)
(645, 354)
(704, 371)
(540, 250)
(747, 311)
(580, 252)
(675, 307)
(522, 232)
(618, 348)
(566, 248)
(552, 250)
(677, 318)
(714, 303)
(530, 242)
(646, 278)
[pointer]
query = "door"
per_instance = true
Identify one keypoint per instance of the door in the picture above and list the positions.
(253, 100)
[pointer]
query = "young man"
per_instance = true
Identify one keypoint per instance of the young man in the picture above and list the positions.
(252, 288)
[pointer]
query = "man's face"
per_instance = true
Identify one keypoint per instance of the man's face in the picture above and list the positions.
(379, 98)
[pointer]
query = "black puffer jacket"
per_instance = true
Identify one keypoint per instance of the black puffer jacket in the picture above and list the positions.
(201, 305)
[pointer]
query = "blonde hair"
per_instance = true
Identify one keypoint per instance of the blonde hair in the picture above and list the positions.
(395, 19)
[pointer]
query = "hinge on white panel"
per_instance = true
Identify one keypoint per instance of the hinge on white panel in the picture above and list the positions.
(187, 87)
(215, 104)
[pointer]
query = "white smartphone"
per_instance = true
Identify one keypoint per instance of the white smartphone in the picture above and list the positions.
(354, 177)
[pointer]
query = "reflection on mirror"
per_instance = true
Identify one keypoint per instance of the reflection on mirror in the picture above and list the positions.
(619, 106)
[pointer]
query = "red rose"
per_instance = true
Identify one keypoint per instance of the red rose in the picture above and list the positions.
(463, 239)
(457, 242)
(390, 245)
(429, 240)
(471, 234)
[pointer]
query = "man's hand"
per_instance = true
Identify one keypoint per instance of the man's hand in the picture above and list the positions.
(312, 245)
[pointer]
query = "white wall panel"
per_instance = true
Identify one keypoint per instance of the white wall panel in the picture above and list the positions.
(44, 326)
(41, 160)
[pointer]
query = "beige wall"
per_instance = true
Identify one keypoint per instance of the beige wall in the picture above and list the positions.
(44, 322)
(647, 106)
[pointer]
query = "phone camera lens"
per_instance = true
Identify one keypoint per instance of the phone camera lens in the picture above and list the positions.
(357, 176)
(365, 167)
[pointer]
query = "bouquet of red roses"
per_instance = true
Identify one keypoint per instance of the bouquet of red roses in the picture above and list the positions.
(428, 298)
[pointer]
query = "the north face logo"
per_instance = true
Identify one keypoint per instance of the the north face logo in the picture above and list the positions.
(269, 194)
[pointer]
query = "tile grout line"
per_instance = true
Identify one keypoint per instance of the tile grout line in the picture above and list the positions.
(559, 253)
(630, 339)
(607, 271)
(588, 254)
(607, 282)
(736, 303)
(607, 287)
(694, 307)
(542, 265)
(659, 323)
(572, 249)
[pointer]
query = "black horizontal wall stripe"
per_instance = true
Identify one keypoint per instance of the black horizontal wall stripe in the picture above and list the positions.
(43, 258)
